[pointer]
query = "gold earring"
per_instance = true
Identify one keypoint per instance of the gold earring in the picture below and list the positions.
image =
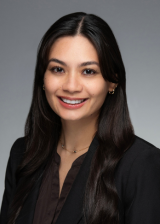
(43, 87)
(111, 92)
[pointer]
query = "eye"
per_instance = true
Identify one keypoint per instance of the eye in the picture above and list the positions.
(56, 69)
(89, 72)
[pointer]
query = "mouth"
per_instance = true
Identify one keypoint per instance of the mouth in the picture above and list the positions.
(72, 101)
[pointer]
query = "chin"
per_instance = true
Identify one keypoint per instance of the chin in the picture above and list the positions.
(72, 117)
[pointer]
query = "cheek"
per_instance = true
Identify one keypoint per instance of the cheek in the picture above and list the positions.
(51, 87)
(99, 94)
(51, 84)
(99, 91)
(100, 97)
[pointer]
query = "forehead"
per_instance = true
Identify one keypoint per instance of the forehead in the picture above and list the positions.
(75, 49)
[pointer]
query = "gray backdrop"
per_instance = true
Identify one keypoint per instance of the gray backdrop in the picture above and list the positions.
(136, 25)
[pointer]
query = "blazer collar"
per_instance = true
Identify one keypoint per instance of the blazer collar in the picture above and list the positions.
(72, 209)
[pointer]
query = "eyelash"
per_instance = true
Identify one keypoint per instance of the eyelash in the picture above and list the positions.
(92, 71)
(56, 67)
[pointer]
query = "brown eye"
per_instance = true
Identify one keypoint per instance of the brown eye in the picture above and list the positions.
(89, 72)
(57, 69)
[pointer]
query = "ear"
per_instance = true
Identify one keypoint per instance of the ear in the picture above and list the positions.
(112, 87)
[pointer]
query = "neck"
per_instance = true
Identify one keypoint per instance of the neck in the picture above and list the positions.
(78, 134)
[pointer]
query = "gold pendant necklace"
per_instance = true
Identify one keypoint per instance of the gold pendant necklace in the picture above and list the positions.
(73, 151)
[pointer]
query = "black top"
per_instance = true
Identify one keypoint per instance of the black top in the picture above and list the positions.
(137, 180)
(49, 204)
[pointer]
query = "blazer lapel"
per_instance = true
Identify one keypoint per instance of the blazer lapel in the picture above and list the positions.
(27, 212)
(71, 212)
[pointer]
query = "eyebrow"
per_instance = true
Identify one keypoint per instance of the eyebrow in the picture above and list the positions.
(81, 65)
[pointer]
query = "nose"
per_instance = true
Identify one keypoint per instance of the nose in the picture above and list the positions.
(72, 84)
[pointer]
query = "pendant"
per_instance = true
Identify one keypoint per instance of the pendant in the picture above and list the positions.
(75, 151)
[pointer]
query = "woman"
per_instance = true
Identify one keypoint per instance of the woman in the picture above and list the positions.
(80, 161)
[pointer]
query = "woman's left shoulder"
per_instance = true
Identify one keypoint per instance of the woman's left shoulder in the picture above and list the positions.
(140, 165)
(140, 153)
(137, 180)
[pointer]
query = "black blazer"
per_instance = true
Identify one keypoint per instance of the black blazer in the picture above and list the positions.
(137, 181)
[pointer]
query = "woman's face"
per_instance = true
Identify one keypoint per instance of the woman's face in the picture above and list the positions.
(74, 86)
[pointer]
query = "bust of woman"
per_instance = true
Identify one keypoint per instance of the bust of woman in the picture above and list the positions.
(79, 161)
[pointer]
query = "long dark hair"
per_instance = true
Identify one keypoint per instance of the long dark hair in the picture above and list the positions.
(114, 133)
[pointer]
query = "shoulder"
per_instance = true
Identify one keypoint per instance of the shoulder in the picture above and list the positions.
(137, 180)
(15, 158)
(140, 163)
(140, 150)
(17, 150)
(18, 146)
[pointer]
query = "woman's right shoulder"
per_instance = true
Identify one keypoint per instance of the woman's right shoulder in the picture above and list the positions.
(16, 155)
(18, 147)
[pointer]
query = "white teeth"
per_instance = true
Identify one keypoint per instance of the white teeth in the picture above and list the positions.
(72, 101)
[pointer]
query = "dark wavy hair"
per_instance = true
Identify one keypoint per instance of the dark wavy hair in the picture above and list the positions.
(114, 132)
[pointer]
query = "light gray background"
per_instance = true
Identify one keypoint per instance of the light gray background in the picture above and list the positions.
(136, 25)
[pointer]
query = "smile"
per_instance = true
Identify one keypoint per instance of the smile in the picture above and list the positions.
(72, 103)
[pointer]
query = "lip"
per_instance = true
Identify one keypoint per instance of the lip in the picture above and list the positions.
(71, 98)
(72, 106)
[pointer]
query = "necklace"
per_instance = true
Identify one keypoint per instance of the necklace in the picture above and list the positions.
(74, 151)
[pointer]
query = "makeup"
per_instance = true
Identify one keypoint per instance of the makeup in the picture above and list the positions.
(71, 104)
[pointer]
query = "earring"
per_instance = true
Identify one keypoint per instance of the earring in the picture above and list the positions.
(43, 87)
(111, 92)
